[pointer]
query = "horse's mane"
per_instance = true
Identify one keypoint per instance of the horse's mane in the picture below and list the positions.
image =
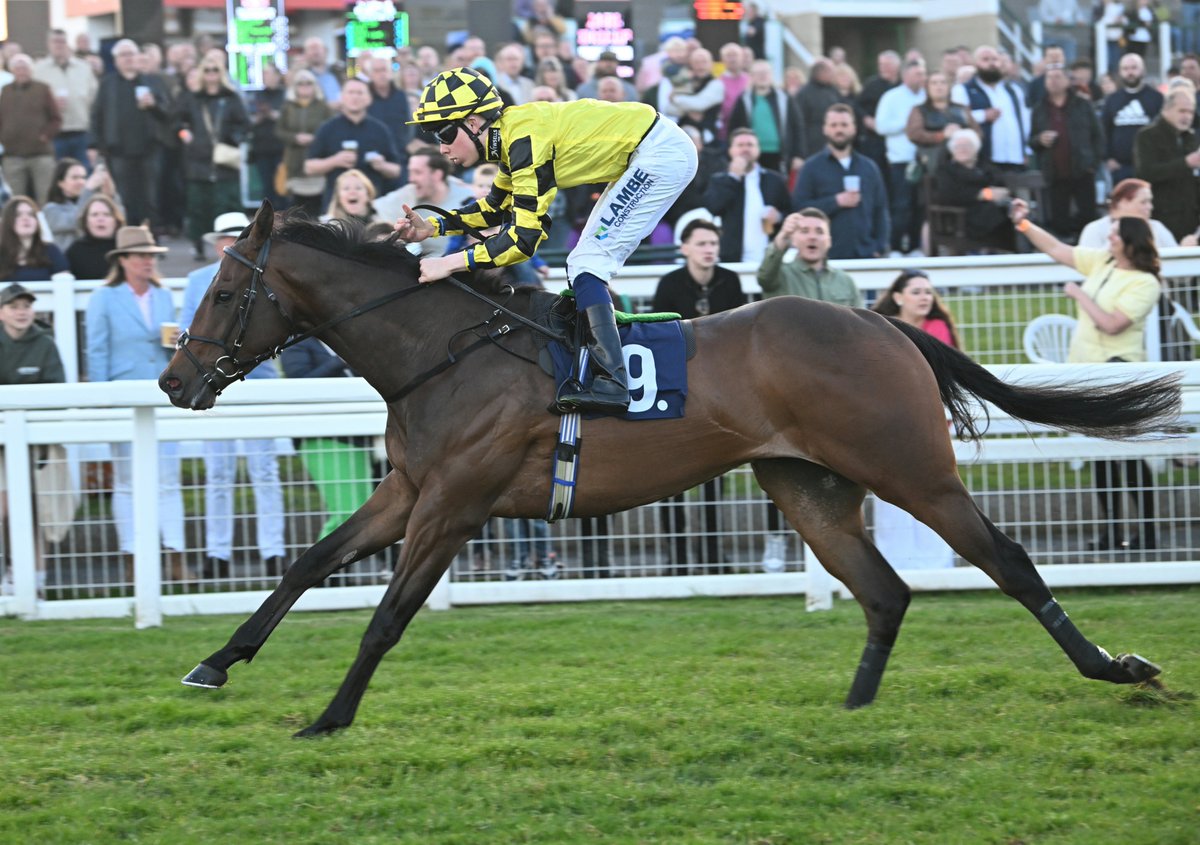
(355, 241)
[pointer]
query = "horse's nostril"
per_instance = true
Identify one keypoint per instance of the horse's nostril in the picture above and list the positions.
(173, 384)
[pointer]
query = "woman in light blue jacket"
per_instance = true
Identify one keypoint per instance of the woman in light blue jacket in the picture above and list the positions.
(124, 341)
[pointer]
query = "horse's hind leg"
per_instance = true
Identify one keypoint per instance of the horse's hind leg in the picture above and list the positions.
(954, 515)
(826, 508)
(380, 522)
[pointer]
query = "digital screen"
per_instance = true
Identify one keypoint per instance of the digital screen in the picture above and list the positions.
(375, 26)
(605, 27)
(258, 36)
(718, 10)
(254, 32)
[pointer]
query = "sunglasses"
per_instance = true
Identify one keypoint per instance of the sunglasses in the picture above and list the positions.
(446, 133)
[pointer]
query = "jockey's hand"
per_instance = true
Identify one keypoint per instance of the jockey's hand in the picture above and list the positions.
(437, 267)
(413, 228)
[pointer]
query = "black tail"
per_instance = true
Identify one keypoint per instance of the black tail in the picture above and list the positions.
(1113, 411)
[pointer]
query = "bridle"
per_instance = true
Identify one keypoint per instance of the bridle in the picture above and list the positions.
(230, 366)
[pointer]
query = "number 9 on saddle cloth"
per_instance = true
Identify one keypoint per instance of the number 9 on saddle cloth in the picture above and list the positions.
(657, 348)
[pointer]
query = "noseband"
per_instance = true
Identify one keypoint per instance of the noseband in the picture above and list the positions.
(236, 368)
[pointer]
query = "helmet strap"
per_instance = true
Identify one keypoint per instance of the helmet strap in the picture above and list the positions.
(492, 152)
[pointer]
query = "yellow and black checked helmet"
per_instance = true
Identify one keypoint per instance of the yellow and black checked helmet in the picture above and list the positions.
(456, 94)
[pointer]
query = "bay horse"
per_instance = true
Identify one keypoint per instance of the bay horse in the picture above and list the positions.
(825, 403)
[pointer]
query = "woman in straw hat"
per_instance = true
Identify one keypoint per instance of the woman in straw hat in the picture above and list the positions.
(126, 321)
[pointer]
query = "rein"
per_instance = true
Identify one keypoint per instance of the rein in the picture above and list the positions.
(240, 367)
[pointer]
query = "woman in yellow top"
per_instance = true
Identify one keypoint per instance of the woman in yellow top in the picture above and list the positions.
(541, 147)
(1120, 289)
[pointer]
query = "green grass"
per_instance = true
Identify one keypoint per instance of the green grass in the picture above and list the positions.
(701, 721)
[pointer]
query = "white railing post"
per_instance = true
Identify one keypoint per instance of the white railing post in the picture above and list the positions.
(147, 557)
(1164, 49)
(439, 599)
(819, 594)
(1153, 335)
(66, 336)
(22, 551)
(1100, 39)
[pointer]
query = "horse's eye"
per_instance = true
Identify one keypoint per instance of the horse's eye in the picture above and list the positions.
(224, 296)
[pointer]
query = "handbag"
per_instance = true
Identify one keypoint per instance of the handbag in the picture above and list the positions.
(306, 186)
(223, 155)
(281, 179)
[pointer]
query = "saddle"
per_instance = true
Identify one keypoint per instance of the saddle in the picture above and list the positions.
(557, 313)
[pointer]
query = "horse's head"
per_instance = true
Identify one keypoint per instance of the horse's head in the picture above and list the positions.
(239, 323)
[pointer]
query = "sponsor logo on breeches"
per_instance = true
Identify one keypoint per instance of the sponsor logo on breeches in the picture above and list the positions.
(623, 204)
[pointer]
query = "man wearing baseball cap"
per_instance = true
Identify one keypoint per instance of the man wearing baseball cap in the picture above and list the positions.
(27, 351)
(220, 456)
(28, 356)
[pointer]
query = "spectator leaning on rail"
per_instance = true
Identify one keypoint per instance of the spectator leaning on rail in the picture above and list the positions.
(24, 256)
(220, 456)
(542, 147)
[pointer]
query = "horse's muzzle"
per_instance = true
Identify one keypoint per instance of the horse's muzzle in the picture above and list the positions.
(201, 398)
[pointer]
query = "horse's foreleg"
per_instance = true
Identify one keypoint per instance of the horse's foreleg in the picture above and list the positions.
(960, 522)
(436, 533)
(379, 523)
(826, 508)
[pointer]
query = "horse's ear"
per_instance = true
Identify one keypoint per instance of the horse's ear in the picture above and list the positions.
(263, 221)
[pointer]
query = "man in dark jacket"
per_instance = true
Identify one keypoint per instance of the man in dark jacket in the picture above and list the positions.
(1126, 112)
(847, 187)
(750, 200)
(29, 121)
(813, 100)
(1065, 136)
(773, 116)
(27, 351)
(128, 115)
(1166, 156)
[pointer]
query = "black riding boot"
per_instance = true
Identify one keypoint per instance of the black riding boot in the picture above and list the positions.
(608, 393)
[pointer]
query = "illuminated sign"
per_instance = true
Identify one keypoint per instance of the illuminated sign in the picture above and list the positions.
(258, 36)
(375, 26)
(605, 27)
(718, 10)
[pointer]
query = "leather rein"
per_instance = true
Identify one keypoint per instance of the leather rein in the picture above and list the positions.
(230, 366)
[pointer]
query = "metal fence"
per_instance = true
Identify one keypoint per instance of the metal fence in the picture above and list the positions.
(723, 538)
(1040, 488)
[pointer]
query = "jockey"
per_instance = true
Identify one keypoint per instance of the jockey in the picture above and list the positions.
(541, 147)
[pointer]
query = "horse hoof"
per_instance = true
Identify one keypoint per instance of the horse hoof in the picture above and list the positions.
(1137, 668)
(206, 677)
(317, 728)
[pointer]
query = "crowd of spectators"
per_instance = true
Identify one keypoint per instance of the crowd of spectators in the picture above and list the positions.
(811, 164)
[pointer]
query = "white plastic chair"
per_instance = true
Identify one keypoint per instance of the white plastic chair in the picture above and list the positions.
(1048, 337)
(1180, 317)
